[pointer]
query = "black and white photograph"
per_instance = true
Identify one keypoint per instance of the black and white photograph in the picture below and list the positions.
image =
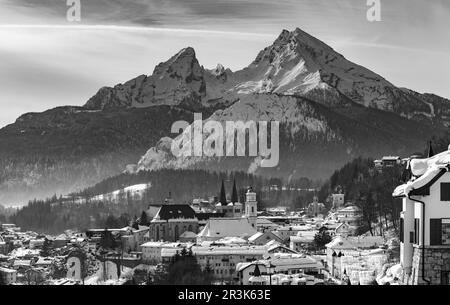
(222, 148)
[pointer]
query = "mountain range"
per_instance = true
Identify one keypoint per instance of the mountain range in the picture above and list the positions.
(330, 110)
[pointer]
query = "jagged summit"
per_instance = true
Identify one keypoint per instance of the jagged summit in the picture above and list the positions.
(294, 43)
(188, 51)
(176, 81)
(219, 70)
(184, 56)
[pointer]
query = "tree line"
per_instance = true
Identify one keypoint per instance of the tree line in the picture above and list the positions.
(82, 211)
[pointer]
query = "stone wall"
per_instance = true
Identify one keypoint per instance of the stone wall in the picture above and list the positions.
(437, 261)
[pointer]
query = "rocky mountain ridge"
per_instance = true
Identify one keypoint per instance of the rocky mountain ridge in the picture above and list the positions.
(330, 110)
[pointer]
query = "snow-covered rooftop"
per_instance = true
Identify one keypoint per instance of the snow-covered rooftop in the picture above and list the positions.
(340, 243)
(229, 250)
(423, 170)
(255, 236)
(352, 208)
(229, 240)
(188, 234)
(225, 227)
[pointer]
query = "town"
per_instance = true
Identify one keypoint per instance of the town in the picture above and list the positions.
(223, 241)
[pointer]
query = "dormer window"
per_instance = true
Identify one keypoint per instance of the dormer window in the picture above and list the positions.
(445, 191)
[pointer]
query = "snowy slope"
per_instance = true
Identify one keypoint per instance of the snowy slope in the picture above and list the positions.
(299, 64)
(133, 191)
(289, 111)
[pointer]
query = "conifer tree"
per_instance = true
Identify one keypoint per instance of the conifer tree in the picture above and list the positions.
(234, 195)
(143, 220)
(223, 196)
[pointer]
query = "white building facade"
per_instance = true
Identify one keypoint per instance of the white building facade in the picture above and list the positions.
(425, 222)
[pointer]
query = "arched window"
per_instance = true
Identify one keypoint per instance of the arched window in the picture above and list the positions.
(177, 233)
(190, 228)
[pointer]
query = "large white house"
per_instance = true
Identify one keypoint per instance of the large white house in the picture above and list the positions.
(425, 221)
(359, 258)
(152, 251)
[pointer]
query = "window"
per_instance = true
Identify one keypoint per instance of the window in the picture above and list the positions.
(445, 191)
(445, 224)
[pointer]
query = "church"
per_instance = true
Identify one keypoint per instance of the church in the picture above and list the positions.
(171, 221)
(232, 208)
(243, 226)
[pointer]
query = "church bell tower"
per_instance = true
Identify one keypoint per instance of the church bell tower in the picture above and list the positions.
(251, 207)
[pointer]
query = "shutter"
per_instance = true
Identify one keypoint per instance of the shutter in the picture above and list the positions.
(402, 230)
(435, 232)
(416, 231)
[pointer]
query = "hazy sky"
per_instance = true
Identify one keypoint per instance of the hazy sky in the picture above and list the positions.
(46, 61)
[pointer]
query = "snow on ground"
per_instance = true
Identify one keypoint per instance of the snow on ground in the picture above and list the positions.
(364, 269)
(21, 252)
(111, 277)
(136, 191)
(390, 275)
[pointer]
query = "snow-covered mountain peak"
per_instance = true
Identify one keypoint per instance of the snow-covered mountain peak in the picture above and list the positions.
(292, 65)
(176, 81)
(301, 65)
(294, 45)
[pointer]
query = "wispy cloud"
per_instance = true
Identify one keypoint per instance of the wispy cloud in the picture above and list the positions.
(129, 29)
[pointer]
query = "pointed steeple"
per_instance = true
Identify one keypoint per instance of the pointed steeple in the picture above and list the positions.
(256, 272)
(430, 150)
(223, 196)
(234, 195)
